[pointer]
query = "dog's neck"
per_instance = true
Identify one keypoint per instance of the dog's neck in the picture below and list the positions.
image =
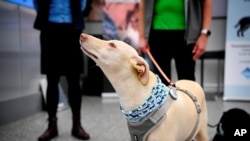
(130, 91)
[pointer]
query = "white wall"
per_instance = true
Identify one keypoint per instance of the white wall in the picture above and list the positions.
(214, 69)
(19, 63)
(217, 39)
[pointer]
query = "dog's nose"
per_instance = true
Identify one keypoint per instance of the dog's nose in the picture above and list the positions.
(83, 37)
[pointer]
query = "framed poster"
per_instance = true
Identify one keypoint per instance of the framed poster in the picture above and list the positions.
(120, 21)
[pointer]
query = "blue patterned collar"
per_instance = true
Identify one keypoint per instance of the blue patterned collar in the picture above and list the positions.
(159, 95)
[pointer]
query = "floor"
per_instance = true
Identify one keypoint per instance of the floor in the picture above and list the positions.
(102, 118)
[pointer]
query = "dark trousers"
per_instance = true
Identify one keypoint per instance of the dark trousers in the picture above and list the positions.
(61, 56)
(166, 45)
(74, 94)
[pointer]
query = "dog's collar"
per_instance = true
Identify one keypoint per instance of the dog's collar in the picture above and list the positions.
(159, 95)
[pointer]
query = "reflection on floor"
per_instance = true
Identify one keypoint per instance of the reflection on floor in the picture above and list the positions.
(101, 117)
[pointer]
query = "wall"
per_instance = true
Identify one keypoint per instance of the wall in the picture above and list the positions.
(19, 63)
(214, 69)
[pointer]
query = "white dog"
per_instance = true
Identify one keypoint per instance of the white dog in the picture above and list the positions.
(185, 118)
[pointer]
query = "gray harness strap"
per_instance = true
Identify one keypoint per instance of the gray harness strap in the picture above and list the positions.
(140, 130)
(198, 108)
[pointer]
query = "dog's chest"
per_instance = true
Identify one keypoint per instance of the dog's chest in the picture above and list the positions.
(151, 113)
(159, 95)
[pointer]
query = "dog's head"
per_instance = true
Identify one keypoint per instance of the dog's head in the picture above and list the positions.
(115, 58)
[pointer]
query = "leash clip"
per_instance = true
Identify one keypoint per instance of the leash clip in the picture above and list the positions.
(172, 92)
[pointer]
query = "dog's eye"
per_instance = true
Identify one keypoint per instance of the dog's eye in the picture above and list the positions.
(112, 45)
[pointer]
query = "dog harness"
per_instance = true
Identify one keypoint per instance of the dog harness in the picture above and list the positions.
(198, 109)
(142, 120)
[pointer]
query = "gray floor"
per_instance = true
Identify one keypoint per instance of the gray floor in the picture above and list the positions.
(101, 117)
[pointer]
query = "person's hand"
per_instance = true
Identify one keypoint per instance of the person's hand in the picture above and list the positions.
(200, 46)
(143, 46)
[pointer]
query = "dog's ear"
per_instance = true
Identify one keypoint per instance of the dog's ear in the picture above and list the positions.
(142, 69)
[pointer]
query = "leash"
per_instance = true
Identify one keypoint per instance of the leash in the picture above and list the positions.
(159, 68)
(198, 108)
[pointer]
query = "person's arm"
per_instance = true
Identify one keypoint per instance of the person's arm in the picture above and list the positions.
(201, 42)
(207, 14)
(143, 43)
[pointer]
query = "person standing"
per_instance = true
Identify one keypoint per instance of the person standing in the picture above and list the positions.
(175, 29)
(60, 23)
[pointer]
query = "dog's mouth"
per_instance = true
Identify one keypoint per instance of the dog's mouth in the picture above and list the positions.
(89, 53)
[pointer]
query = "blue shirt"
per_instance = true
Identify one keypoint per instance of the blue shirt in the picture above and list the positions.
(60, 10)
